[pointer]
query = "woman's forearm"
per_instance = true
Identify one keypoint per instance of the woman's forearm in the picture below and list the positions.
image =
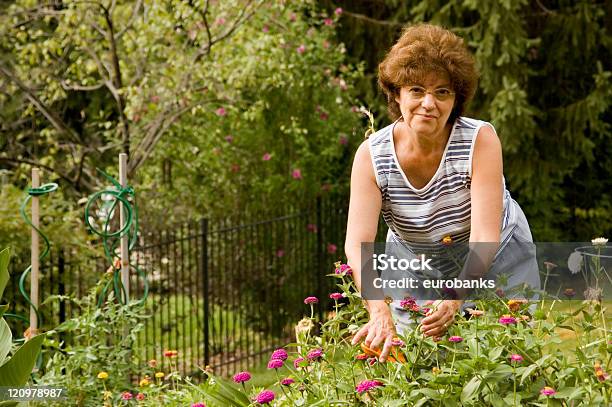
(376, 304)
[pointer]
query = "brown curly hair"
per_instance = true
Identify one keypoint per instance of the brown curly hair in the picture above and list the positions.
(423, 49)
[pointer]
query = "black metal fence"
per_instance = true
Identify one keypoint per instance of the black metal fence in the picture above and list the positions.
(224, 292)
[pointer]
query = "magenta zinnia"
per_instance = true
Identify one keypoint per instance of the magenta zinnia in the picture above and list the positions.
(367, 385)
(335, 296)
(343, 268)
(311, 300)
(315, 354)
(507, 320)
(287, 381)
(547, 391)
(275, 364)
(279, 354)
(455, 339)
(242, 377)
(265, 397)
(298, 362)
(516, 357)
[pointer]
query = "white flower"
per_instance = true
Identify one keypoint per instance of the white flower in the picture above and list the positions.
(574, 262)
(164, 260)
(600, 241)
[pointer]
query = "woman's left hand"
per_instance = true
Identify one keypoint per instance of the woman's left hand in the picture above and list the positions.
(440, 318)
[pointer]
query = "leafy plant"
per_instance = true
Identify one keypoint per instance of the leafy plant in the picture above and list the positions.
(102, 341)
(15, 370)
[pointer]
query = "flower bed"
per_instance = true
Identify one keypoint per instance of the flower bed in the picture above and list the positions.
(500, 355)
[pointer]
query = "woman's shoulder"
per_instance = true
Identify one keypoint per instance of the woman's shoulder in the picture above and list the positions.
(468, 123)
(381, 135)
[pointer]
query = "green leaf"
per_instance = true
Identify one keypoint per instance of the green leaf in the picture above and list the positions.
(227, 395)
(3, 309)
(17, 370)
(528, 370)
(4, 275)
(495, 353)
(6, 340)
(569, 393)
(470, 389)
(431, 393)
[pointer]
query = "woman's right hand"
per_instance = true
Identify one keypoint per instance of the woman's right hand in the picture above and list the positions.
(380, 329)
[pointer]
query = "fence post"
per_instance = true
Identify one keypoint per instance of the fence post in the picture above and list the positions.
(35, 251)
(320, 258)
(204, 266)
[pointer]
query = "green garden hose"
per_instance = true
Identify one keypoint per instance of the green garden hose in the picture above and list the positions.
(42, 190)
(110, 198)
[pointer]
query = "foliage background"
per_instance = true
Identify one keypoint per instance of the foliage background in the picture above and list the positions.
(198, 92)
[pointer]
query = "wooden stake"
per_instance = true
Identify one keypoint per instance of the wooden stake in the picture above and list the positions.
(34, 276)
(125, 255)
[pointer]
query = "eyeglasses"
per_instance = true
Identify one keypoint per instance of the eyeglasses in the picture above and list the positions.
(419, 92)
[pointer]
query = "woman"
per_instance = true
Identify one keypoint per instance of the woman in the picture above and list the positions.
(435, 175)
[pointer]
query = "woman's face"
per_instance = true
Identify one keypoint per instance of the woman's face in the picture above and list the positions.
(427, 114)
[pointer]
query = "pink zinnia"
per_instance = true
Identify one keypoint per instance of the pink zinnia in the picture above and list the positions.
(547, 391)
(141, 396)
(516, 357)
(296, 174)
(198, 405)
(397, 342)
(275, 364)
(280, 253)
(266, 157)
(338, 11)
(301, 49)
(328, 21)
(311, 300)
(126, 395)
(455, 339)
(265, 397)
(335, 296)
(242, 377)
(507, 320)
(287, 381)
(367, 385)
(344, 268)
(297, 362)
(409, 304)
(315, 354)
(279, 354)
(331, 248)
(221, 111)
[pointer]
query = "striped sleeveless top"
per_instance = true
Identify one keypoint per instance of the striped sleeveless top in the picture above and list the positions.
(420, 218)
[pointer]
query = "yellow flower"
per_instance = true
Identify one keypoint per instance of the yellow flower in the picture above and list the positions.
(144, 382)
(446, 240)
(159, 375)
(435, 370)
(515, 304)
(103, 375)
